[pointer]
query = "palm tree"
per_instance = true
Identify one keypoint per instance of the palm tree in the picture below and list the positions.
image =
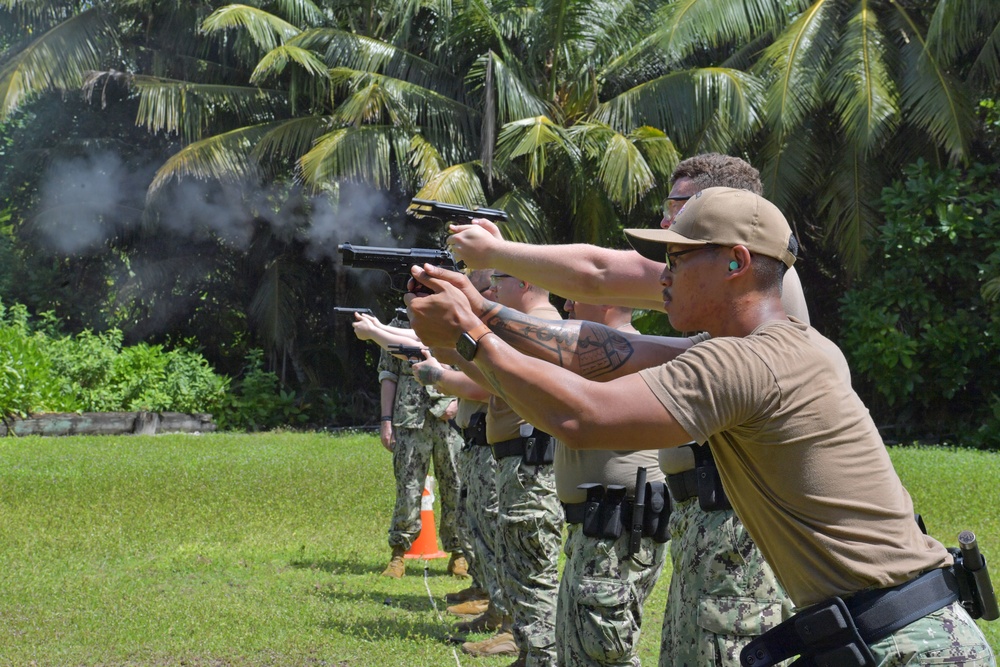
(856, 90)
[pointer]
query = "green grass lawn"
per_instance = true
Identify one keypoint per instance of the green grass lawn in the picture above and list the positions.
(265, 550)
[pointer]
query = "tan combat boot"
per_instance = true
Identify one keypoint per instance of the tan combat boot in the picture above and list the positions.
(458, 566)
(466, 594)
(469, 607)
(501, 644)
(396, 568)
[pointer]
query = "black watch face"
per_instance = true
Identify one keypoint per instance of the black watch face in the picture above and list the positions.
(466, 346)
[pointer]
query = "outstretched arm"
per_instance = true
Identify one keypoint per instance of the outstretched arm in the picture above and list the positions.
(579, 271)
(581, 412)
(586, 348)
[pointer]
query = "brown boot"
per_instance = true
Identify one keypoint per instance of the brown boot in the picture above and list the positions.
(469, 608)
(396, 568)
(501, 644)
(488, 621)
(458, 566)
(466, 594)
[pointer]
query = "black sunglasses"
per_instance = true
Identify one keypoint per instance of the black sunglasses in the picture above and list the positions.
(672, 256)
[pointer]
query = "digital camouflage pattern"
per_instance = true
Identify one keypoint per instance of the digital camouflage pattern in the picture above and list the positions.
(722, 593)
(948, 636)
(529, 536)
(421, 437)
(601, 596)
(482, 518)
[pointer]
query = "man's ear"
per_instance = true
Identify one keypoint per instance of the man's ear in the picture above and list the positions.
(739, 260)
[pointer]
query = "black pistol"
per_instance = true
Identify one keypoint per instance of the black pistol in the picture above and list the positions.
(974, 563)
(427, 208)
(350, 311)
(394, 261)
(638, 510)
(413, 353)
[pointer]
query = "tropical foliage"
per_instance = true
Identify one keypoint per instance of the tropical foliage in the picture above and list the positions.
(246, 140)
(920, 335)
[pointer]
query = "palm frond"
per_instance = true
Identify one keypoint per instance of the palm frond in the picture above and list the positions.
(187, 108)
(57, 60)
(860, 84)
(361, 154)
(275, 61)
(624, 173)
(515, 97)
(686, 102)
(797, 63)
(526, 221)
(226, 157)
(285, 142)
(660, 153)
(425, 160)
(457, 184)
(991, 290)
(302, 13)
(533, 138)
(957, 29)
(265, 29)
(377, 97)
(688, 26)
(342, 48)
(844, 203)
(932, 98)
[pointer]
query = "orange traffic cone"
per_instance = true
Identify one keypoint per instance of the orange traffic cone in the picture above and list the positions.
(426, 544)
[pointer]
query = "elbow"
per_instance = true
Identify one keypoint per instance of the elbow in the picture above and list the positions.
(576, 431)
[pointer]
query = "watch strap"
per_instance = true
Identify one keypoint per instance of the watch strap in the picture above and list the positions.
(479, 332)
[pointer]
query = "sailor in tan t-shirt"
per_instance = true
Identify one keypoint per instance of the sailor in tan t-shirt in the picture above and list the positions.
(799, 455)
(606, 577)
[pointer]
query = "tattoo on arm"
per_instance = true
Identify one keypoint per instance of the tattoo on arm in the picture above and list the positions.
(429, 375)
(591, 349)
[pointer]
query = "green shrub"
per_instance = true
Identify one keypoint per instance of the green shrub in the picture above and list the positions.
(258, 402)
(921, 339)
(27, 381)
(42, 371)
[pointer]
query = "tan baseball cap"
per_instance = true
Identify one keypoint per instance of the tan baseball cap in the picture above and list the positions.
(721, 216)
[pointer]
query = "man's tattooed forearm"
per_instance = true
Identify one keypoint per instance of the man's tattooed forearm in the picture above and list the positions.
(601, 350)
(592, 350)
(530, 335)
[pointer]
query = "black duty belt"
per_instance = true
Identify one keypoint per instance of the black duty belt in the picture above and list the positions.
(683, 485)
(505, 448)
(839, 632)
(536, 449)
(608, 512)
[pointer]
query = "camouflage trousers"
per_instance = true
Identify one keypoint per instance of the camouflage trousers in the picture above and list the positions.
(529, 535)
(601, 594)
(480, 486)
(947, 636)
(722, 593)
(411, 459)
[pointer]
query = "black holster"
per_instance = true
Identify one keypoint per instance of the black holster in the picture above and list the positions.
(539, 448)
(657, 516)
(711, 496)
(475, 433)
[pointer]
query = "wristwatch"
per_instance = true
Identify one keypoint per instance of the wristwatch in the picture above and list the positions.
(468, 342)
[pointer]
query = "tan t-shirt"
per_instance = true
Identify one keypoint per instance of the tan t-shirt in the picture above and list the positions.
(502, 423)
(800, 458)
(603, 466)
